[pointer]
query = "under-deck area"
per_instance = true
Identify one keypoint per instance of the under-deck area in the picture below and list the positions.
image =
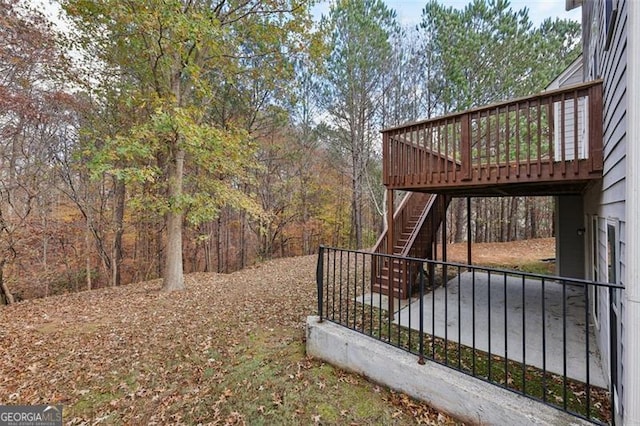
(515, 318)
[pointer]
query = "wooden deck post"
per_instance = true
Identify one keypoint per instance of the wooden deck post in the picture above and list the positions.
(386, 159)
(469, 262)
(444, 205)
(465, 147)
(595, 128)
(390, 231)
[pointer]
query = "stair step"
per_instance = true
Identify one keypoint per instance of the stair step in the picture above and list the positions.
(421, 247)
(397, 293)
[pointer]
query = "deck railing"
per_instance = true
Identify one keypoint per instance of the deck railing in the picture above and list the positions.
(530, 334)
(554, 135)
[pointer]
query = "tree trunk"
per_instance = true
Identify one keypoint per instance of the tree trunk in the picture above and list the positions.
(512, 225)
(502, 219)
(173, 268)
(477, 231)
(306, 237)
(242, 257)
(356, 187)
(533, 222)
(7, 297)
(460, 221)
(118, 219)
(527, 224)
(87, 242)
(227, 243)
(219, 243)
(356, 213)
(158, 259)
(208, 250)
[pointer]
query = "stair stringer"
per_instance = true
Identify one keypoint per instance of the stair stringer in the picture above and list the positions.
(416, 222)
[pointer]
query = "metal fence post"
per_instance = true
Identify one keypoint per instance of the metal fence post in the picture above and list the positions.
(319, 280)
(421, 325)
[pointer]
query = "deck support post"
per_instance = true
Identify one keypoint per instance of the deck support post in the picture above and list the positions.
(390, 231)
(444, 228)
(469, 231)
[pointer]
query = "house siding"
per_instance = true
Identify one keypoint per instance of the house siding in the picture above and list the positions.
(571, 76)
(607, 199)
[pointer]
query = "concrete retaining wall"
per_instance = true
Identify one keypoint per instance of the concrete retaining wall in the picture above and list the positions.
(447, 390)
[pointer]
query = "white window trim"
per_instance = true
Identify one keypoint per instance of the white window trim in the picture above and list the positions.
(594, 258)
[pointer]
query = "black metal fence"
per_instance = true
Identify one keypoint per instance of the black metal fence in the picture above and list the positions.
(532, 334)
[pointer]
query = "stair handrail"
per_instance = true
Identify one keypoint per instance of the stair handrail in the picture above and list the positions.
(418, 227)
(396, 214)
(433, 152)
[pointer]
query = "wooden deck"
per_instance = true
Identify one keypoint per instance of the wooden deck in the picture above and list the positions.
(546, 144)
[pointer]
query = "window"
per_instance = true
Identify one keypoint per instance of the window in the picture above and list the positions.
(612, 275)
(610, 14)
(612, 255)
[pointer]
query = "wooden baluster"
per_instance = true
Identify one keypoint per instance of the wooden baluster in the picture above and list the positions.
(439, 153)
(529, 138)
(398, 162)
(400, 158)
(465, 143)
(487, 162)
(518, 141)
(576, 152)
(563, 156)
(454, 154)
(539, 111)
(498, 161)
(446, 150)
(393, 158)
(385, 158)
(405, 159)
(550, 131)
(424, 158)
(507, 136)
(478, 144)
(430, 152)
(418, 159)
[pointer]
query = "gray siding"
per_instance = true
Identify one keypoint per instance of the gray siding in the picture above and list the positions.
(607, 199)
(569, 135)
(572, 76)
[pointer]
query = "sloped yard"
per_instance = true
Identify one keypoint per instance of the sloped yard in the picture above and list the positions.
(229, 350)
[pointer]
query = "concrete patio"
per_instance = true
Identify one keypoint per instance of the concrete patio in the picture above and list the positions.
(486, 321)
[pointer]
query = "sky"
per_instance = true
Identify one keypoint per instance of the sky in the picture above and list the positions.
(410, 11)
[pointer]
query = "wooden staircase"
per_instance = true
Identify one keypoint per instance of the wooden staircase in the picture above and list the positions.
(415, 223)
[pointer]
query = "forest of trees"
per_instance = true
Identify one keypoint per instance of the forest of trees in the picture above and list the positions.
(149, 139)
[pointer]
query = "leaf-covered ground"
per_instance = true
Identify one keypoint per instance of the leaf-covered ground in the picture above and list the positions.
(508, 254)
(228, 350)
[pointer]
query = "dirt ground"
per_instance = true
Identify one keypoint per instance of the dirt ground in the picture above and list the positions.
(511, 253)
